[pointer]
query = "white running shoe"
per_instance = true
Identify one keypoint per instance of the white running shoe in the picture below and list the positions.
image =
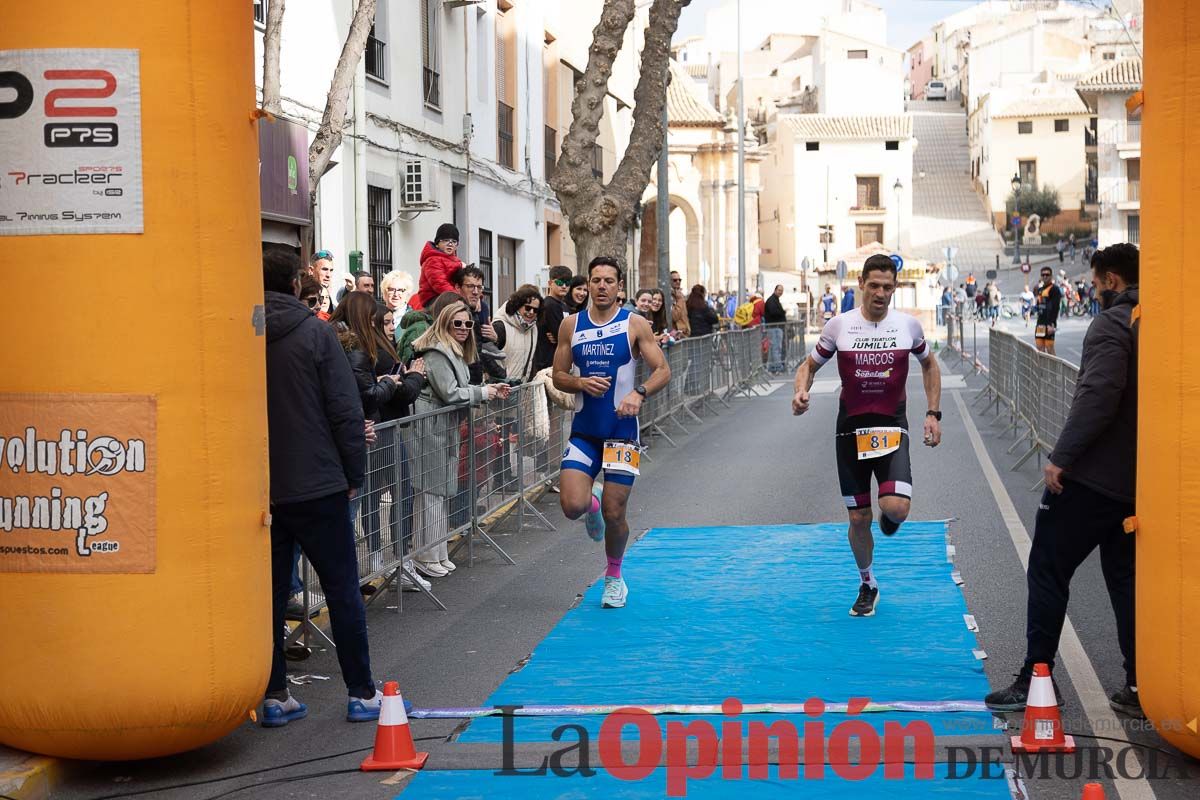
(615, 593)
(448, 565)
(431, 568)
(414, 583)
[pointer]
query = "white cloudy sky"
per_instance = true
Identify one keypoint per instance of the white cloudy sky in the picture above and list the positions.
(908, 20)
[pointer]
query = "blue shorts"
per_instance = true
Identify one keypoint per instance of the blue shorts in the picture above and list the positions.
(586, 454)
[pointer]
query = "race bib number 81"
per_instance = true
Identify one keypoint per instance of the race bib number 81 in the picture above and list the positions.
(876, 442)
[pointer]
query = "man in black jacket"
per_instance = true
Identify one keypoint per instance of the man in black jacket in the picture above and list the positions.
(1090, 482)
(554, 310)
(774, 318)
(317, 448)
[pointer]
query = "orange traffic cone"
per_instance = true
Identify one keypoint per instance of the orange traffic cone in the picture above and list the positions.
(1093, 791)
(393, 741)
(1042, 731)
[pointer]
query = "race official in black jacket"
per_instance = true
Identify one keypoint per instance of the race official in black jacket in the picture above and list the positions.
(1090, 485)
(317, 451)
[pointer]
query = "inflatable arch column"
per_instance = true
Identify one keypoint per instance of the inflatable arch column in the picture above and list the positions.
(134, 552)
(1168, 499)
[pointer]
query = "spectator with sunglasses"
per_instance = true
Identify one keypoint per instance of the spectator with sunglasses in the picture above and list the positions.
(439, 261)
(554, 310)
(679, 311)
(320, 266)
(448, 348)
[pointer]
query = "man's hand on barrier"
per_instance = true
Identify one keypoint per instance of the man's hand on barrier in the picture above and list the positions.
(595, 385)
(800, 403)
(1053, 475)
(631, 406)
(369, 431)
(352, 492)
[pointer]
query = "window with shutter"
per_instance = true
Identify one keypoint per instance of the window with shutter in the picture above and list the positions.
(430, 54)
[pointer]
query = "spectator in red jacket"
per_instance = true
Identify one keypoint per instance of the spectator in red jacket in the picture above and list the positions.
(439, 260)
(760, 308)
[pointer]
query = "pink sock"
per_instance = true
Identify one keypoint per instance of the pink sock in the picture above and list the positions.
(614, 568)
(595, 507)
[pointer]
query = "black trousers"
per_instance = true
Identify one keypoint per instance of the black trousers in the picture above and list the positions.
(1069, 527)
(322, 529)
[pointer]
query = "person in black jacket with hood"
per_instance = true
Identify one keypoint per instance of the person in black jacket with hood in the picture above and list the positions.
(774, 318)
(387, 391)
(1090, 485)
(317, 452)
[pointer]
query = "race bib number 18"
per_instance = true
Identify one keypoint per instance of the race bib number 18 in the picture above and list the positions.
(876, 442)
(622, 456)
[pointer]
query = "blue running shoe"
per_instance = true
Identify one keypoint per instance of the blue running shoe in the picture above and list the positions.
(359, 710)
(277, 713)
(593, 521)
(615, 593)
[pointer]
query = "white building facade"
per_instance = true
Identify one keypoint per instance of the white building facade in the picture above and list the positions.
(457, 114)
(835, 184)
(1118, 148)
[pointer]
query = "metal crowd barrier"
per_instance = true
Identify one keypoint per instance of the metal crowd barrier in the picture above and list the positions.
(1030, 392)
(446, 476)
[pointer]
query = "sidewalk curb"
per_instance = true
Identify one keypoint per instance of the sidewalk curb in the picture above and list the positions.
(27, 776)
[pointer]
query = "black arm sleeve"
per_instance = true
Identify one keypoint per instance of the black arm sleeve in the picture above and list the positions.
(343, 408)
(1102, 377)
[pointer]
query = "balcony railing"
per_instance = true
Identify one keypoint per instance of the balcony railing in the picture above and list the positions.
(1091, 194)
(1130, 132)
(1133, 192)
(432, 87)
(504, 138)
(551, 148)
(376, 58)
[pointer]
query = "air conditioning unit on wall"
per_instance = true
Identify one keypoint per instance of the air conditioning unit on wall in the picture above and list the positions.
(416, 186)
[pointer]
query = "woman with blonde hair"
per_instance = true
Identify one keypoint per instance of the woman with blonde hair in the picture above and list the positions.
(448, 348)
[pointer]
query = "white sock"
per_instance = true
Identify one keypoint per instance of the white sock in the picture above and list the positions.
(868, 577)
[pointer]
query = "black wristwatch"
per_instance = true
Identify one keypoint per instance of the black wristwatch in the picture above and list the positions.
(935, 414)
(641, 390)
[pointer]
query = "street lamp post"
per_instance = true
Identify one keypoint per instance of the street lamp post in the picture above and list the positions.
(898, 188)
(1016, 187)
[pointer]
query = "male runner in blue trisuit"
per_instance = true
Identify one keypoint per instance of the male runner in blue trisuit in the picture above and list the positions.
(605, 342)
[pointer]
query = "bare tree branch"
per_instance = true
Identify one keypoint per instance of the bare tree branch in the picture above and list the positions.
(329, 134)
(600, 216)
(645, 140)
(271, 43)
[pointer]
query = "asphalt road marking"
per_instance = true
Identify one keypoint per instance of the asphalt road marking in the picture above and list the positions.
(1070, 649)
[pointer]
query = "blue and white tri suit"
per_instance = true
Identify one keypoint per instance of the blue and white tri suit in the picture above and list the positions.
(602, 351)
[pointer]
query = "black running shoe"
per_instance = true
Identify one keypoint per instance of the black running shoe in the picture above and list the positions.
(1127, 702)
(1014, 696)
(886, 525)
(868, 598)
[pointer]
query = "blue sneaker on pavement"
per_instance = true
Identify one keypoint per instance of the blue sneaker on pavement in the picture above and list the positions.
(593, 521)
(359, 710)
(277, 713)
(615, 593)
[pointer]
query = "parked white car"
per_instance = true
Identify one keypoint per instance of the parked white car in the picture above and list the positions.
(935, 90)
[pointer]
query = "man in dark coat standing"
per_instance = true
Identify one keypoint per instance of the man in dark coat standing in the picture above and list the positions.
(1090, 486)
(317, 447)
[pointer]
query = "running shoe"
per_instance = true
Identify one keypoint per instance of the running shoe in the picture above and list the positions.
(359, 710)
(593, 521)
(1014, 696)
(868, 598)
(615, 592)
(1127, 702)
(277, 713)
(886, 525)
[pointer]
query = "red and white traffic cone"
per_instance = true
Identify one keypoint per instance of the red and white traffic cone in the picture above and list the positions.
(1042, 731)
(393, 740)
(1092, 791)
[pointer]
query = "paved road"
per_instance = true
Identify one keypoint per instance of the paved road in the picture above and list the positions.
(752, 464)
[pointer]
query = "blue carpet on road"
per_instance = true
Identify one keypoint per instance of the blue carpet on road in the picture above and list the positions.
(759, 614)
(472, 785)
